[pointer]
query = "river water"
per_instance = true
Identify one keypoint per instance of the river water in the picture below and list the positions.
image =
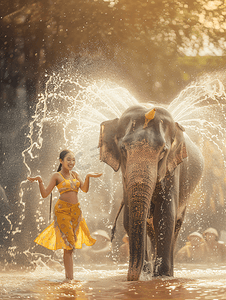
(190, 281)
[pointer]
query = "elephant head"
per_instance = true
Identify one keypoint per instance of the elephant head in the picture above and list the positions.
(146, 144)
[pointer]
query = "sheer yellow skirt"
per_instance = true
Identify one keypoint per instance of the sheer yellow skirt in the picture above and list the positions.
(68, 230)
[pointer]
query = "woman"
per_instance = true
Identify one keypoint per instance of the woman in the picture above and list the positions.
(68, 231)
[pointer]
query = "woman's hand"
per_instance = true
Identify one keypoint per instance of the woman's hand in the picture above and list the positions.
(85, 186)
(45, 191)
(37, 178)
(93, 174)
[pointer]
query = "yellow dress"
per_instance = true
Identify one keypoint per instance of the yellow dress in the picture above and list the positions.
(69, 229)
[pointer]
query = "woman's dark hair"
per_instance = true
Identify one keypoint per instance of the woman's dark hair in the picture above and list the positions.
(62, 156)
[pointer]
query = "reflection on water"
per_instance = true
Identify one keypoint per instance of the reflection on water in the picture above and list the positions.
(109, 282)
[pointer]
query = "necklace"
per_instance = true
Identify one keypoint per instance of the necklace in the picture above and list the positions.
(66, 175)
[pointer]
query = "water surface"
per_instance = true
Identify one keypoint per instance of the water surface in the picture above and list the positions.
(109, 282)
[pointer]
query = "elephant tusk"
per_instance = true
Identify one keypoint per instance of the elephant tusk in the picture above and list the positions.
(149, 116)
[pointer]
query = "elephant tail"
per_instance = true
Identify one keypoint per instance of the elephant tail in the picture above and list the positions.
(116, 218)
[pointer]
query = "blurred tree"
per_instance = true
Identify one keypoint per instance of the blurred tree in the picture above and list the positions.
(143, 38)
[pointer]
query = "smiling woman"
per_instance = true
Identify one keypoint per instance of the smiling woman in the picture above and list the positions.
(69, 230)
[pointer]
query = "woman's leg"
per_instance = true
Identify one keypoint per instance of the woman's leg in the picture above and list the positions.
(68, 263)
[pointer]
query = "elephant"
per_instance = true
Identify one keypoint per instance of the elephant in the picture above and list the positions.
(160, 167)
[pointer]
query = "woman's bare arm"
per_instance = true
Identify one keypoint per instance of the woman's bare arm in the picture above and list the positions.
(45, 191)
(84, 186)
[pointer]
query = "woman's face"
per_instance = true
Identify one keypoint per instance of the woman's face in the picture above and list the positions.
(69, 161)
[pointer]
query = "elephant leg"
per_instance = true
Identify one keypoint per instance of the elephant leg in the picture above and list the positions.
(151, 232)
(126, 218)
(116, 218)
(176, 233)
(164, 226)
(178, 225)
(147, 268)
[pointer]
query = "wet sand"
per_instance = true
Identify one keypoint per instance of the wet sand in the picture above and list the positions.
(109, 282)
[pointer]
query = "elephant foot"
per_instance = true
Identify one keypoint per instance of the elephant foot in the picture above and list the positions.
(161, 269)
(162, 276)
(147, 267)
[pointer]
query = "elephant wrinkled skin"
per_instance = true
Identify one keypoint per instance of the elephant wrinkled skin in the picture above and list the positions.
(160, 167)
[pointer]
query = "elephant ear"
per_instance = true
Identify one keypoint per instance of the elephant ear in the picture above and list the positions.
(174, 155)
(178, 150)
(108, 149)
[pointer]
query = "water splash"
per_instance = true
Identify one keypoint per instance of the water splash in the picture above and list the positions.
(200, 108)
(68, 115)
(78, 109)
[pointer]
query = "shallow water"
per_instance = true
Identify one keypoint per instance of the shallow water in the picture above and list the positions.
(109, 282)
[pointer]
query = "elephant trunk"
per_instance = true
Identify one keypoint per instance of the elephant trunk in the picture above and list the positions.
(140, 181)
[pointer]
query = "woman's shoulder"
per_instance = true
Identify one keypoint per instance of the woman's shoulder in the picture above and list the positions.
(56, 175)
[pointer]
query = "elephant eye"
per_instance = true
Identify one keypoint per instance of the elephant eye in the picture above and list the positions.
(123, 149)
